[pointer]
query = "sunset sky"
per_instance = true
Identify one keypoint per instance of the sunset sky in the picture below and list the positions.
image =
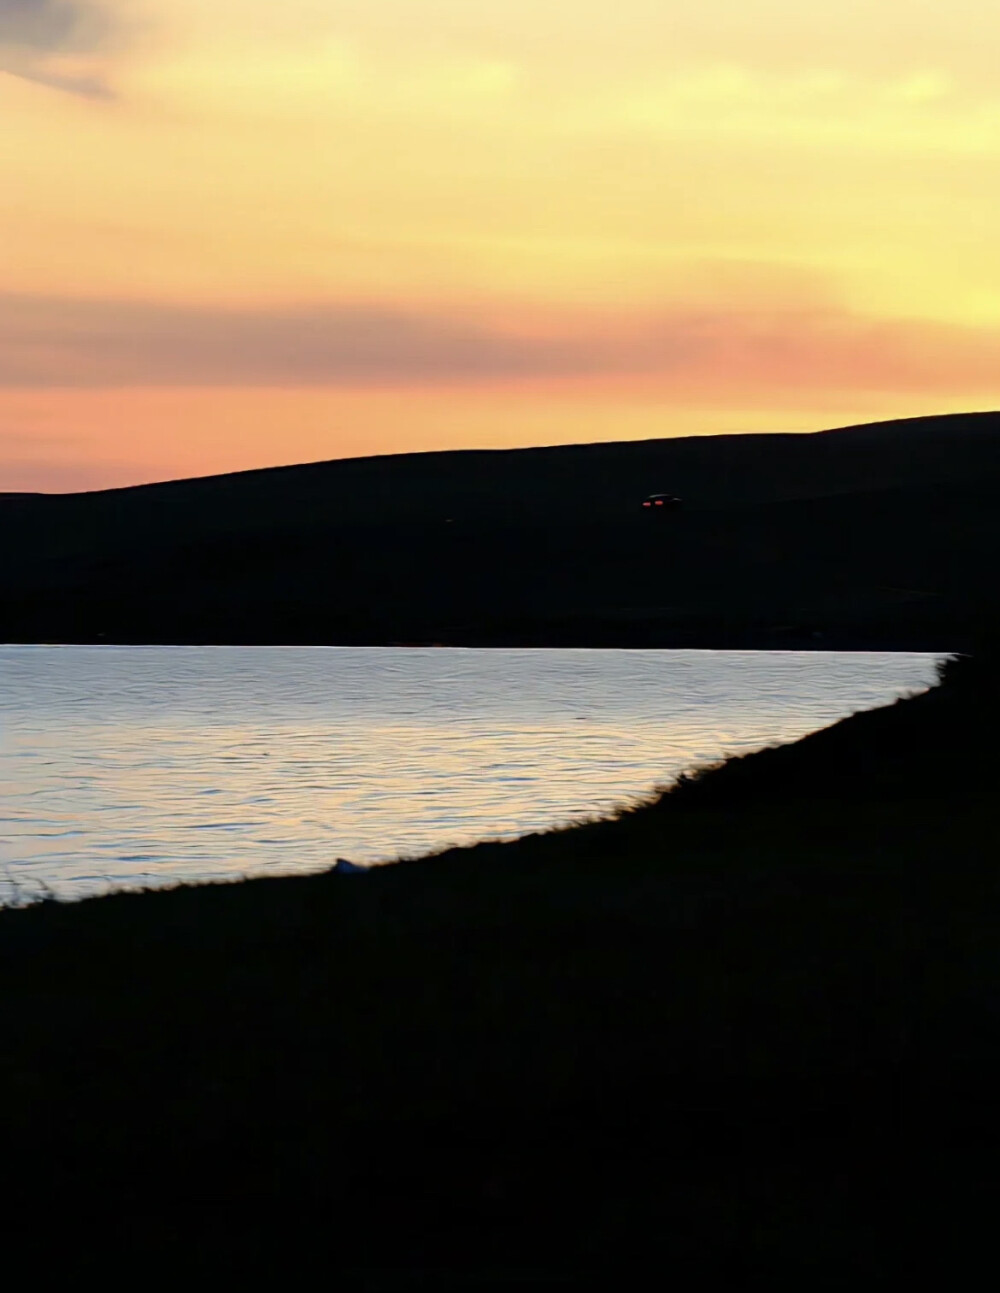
(242, 232)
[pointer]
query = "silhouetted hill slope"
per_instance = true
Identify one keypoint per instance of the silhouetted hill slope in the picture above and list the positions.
(877, 534)
(747, 1032)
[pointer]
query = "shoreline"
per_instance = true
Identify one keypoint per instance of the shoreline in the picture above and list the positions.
(748, 1026)
(960, 644)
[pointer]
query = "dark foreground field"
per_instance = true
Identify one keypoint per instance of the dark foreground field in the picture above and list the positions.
(874, 536)
(749, 1032)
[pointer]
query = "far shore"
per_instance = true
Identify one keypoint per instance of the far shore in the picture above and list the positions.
(611, 639)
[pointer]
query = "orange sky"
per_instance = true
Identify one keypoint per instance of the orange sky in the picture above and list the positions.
(240, 233)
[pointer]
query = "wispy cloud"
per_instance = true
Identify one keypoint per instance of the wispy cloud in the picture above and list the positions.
(50, 343)
(53, 42)
(54, 342)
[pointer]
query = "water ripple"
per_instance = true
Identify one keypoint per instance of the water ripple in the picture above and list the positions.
(130, 767)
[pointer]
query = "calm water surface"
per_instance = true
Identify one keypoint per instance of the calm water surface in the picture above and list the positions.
(124, 766)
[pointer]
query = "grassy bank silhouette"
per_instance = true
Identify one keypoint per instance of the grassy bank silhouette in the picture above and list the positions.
(748, 1029)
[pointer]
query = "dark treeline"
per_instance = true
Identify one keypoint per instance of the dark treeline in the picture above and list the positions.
(871, 536)
(746, 1032)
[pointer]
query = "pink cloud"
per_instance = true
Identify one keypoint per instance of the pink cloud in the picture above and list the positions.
(49, 343)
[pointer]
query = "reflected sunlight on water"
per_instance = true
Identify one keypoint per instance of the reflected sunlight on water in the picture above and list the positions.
(146, 765)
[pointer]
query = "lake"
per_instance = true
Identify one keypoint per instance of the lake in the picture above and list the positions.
(144, 766)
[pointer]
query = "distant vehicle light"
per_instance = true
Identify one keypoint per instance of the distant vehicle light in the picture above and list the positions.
(667, 502)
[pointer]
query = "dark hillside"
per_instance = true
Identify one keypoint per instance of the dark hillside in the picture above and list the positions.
(884, 535)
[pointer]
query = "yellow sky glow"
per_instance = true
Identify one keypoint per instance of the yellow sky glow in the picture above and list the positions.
(267, 234)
